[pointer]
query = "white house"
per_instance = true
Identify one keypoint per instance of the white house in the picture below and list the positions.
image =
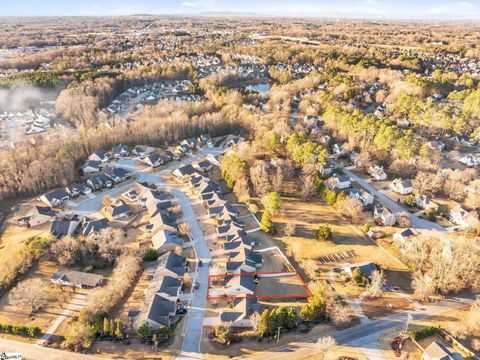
(377, 172)
(92, 167)
(402, 187)
(39, 215)
(362, 195)
(338, 149)
(405, 237)
(383, 216)
(463, 218)
(340, 182)
(426, 203)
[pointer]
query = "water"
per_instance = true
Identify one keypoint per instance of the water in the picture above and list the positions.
(260, 88)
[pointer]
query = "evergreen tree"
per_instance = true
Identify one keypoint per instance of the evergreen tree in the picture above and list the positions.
(112, 327)
(118, 329)
(267, 223)
(106, 327)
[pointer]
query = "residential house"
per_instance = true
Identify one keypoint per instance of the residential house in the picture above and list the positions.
(139, 150)
(92, 167)
(340, 182)
(206, 139)
(118, 174)
(166, 240)
(185, 172)
(55, 197)
(120, 151)
(78, 279)
(243, 260)
(98, 182)
(100, 155)
(241, 284)
(65, 227)
(191, 143)
(153, 159)
(169, 287)
(77, 189)
(366, 267)
(437, 145)
(463, 218)
(402, 187)
(463, 139)
(240, 314)
(171, 264)
(436, 351)
(377, 172)
(383, 216)
(203, 166)
(118, 210)
(160, 312)
(162, 221)
(362, 195)
(405, 237)
(39, 215)
(338, 149)
(95, 226)
(152, 196)
(470, 160)
(426, 203)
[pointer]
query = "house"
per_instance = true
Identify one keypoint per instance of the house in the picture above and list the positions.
(92, 167)
(470, 160)
(171, 264)
(162, 221)
(95, 226)
(382, 216)
(77, 189)
(426, 203)
(206, 139)
(403, 123)
(239, 315)
(340, 182)
(152, 196)
(377, 172)
(139, 151)
(169, 287)
(153, 159)
(98, 182)
(362, 195)
(64, 227)
(166, 240)
(185, 149)
(463, 139)
(55, 197)
(118, 210)
(185, 171)
(402, 187)
(405, 237)
(39, 215)
(239, 284)
(203, 166)
(160, 312)
(206, 187)
(436, 351)
(437, 145)
(243, 260)
(118, 174)
(173, 155)
(78, 279)
(366, 267)
(100, 155)
(120, 151)
(338, 149)
(463, 218)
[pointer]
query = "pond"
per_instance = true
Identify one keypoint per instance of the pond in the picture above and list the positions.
(260, 88)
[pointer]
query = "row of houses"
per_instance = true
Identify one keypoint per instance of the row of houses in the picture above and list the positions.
(237, 255)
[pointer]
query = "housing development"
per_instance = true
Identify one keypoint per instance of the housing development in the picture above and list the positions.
(226, 186)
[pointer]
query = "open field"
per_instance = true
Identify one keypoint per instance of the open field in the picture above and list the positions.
(387, 304)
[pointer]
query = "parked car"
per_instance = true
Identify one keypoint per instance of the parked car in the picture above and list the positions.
(196, 285)
(181, 310)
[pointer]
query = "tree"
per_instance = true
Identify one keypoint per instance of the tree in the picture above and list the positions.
(410, 200)
(272, 202)
(308, 186)
(277, 179)
(255, 319)
(150, 254)
(184, 229)
(259, 178)
(144, 332)
(340, 314)
(324, 233)
(350, 208)
(426, 183)
(267, 224)
(289, 229)
(263, 328)
(118, 329)
(113, 327)
(79, 336)
(106, 201)
(378, 282)
(28, 295)
(106, 327)
(324, 345)
(315, 309)
(359, 277)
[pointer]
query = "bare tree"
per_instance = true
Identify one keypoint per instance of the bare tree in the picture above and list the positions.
(187, 278)
(324, 345)
(289, 229)
(308, 186)
(375, 288)
(184, 228)
(427, 183)
(255, 320)
(28, 296)
(106, 201)
(340, 314)
(259, 178)
(176, 209)
(277, 179)
(350, 208)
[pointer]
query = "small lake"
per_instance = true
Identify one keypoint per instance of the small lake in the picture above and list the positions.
(260, 88)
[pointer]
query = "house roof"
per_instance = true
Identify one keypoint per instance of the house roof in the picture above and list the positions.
(94, 164)
(437, 351)
(187, 170)
(77, 187)
(169, 285)
(172, 262)
(58, 194)
(117, 172)
(165, 237)
(117, 149)
(160, 309)
(45, 210)
(161, 219)
(77, 277)
(64, 227)
(117, 210)
(366, 267)
(94, 226)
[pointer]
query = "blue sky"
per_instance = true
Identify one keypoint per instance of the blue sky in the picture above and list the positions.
(404, 9)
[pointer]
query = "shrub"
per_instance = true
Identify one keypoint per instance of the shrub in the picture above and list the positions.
(223, 335)
(410, 200)
(424, 332)
(31, 331)
(359, 277)
(365, 228)
(267, 224)
(150, 255)
(324, 233)
(144, 332)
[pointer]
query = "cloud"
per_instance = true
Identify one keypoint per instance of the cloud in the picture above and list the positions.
(189, 4)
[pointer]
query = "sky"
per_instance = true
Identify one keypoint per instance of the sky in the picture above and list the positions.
(388, 9)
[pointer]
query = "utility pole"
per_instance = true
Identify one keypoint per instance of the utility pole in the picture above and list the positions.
(278, 334)
(407, 323)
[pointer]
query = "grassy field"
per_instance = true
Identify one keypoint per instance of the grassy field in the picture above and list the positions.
(387, 304)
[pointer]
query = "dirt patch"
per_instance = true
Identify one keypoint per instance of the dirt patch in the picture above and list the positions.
(389, 303)
(282, 286)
